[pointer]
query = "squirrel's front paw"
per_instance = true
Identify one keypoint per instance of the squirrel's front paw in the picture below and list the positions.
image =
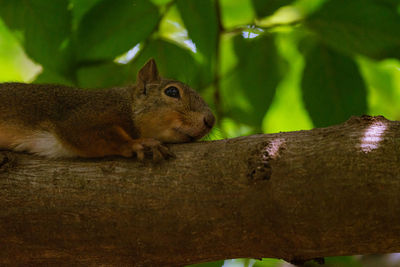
(148, 146)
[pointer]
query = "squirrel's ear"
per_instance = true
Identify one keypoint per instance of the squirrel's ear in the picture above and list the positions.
(147, 74)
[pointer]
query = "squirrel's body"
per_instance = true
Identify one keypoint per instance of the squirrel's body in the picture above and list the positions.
(49, 114)
(60, 121)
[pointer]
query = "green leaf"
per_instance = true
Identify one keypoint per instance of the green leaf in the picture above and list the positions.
(202, 31)
(161, 2)
(173, 61)
(358, 26)
(172, 28)
(287, 111)
(347, 261)
(51, 77)
(14, 64)
(112, 27)
(268, 263)
(383, 80)
(80, 8)
(45, 29)
(390, 3)
(266, 8)
(105, 75)
(333, 89)
(236, 13)
(249, 89)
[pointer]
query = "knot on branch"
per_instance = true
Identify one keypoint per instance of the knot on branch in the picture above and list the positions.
(7, 160)
(365, 119)
(260, 161)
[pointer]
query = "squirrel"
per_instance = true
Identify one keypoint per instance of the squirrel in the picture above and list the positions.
(60, 121)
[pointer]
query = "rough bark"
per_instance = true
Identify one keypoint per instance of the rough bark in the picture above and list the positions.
(297, 195)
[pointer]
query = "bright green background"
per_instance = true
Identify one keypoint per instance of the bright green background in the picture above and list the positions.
(263, 65)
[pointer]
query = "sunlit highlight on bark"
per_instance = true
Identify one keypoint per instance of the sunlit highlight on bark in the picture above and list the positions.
(372, 136)
(274, 147)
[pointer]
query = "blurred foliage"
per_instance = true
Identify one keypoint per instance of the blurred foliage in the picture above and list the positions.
(263, 65)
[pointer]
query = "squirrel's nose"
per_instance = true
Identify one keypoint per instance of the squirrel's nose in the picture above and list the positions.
(209, 120)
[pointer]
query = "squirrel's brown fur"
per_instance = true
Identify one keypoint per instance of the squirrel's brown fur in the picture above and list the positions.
(55, 121)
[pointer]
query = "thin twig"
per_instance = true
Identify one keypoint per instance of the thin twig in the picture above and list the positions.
(216, 82)
(256, 28)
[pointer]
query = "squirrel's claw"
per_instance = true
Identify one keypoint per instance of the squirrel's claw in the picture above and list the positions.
(166, 152)
(138, 148)
(140, 155)
(145, 146)
(157, 155)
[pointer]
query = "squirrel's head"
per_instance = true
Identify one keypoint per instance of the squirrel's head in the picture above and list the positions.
(168, 110)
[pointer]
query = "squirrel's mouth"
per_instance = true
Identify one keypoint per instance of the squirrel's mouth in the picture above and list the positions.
(189, 138)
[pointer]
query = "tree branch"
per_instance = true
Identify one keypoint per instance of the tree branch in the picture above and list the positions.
(298, 195)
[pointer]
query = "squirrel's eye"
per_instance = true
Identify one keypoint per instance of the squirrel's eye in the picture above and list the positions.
(172, 91)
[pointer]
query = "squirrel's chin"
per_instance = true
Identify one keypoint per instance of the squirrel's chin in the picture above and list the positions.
(179, 135)
(190, 135)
